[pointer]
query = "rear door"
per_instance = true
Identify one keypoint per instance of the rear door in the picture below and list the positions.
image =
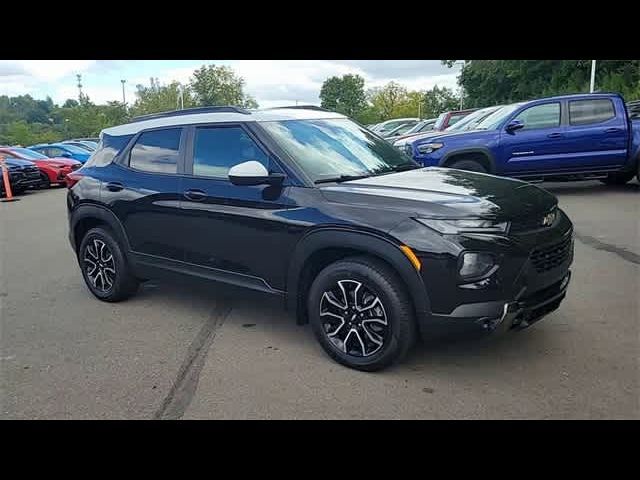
(143, 189)
(540, 145)
(597, 133)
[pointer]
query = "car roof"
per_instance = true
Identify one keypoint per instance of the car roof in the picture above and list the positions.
(221, 115)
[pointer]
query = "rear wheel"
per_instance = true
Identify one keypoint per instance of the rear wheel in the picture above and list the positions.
(104, 267)
(618, 178)
(469, 165)
(361, 314)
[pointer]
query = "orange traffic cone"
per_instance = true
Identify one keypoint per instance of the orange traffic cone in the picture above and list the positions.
(7, 183)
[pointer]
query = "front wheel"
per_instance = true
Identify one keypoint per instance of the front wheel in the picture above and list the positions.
(361, 314)
(44, 181)
(469, 165)
(104, 266)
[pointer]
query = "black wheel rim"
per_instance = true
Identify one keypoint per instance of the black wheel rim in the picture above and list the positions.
(99, 265)
(354, 318)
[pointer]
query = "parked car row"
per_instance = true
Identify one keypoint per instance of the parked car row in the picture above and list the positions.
(41, 166)
(558, 138)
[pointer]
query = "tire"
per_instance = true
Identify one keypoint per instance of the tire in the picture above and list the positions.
(370, 345)
(469, 165)
(618, 178)
(100, 250)
(44, 181)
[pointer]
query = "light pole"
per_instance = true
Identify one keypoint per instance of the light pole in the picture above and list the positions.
(593, 76)
(460, 81)
(124, 100)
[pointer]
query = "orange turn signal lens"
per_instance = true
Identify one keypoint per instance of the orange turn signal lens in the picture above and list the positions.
(411, 256)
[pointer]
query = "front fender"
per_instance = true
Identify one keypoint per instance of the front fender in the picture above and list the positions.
(365, 242)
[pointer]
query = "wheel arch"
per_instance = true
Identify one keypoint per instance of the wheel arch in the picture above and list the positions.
(86, 217)
(469, 152)
(322, 247)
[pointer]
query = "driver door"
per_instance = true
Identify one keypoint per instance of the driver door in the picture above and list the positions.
(232, 231)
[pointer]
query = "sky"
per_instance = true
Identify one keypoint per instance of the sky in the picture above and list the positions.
(271, 82)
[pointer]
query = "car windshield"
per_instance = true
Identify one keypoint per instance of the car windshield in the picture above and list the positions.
(333, 148)
(29, 154)
(471, 120)
(422, 126)
(74, 149)
(494, 120)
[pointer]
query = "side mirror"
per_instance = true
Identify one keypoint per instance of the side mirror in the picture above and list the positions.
(514, 125)
(253, 173)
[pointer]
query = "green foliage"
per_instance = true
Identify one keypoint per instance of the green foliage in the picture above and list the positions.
(26, 121)
(494, 82)
(344, 95)
(219, 85)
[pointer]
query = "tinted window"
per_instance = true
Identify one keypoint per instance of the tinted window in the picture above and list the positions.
(334, 147)
(53, 152)
(29, 154)
(540, 116)
(107, 149)
(584, 112)
(217, 149)
(156, 151)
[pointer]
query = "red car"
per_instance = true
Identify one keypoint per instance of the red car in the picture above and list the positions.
(52, 170)
(447, 119)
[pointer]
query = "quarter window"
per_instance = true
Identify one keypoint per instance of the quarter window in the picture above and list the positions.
(585, 112)
(217, 149)
(156, 151)
(540, 116)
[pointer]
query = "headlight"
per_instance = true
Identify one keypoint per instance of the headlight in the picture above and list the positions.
(476, 264)
(429, 147)
(452, 227)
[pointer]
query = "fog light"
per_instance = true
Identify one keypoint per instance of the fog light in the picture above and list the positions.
(476, 264)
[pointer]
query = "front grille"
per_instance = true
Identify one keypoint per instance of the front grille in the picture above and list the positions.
(530, 223)
(551, 256)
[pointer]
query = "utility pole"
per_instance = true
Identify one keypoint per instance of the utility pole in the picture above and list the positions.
(593, 76)
(79, 77)
(124, 99)
(461, 87)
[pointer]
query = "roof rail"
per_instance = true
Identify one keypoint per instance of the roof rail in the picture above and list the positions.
(301, 107)
(191, 111)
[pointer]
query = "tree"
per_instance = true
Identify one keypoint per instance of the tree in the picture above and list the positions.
(438, 100)
(219, 85)
(160, 98)
(344, 95)
(386, 100)
(494, 82)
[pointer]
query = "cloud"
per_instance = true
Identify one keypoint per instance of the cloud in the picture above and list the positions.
(271, 82)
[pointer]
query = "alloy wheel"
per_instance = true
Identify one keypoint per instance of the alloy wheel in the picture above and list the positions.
(99, 265)
(354, 318)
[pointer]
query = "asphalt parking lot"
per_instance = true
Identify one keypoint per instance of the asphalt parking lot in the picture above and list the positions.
(182, 350)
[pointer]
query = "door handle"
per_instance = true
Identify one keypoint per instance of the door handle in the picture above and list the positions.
(612, 130)
(554, 135)
(114, 186)
(195, 195)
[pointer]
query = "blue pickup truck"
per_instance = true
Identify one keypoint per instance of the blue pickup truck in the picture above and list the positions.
(565, 137)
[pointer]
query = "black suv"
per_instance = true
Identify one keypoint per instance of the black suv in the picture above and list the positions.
(306, 204)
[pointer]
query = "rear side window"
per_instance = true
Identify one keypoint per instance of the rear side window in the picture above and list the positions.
(546, 115)
(585, 112)
(107, 149)
(156, 151)
(217, 149)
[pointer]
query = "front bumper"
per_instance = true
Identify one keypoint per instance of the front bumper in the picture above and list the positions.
(497, 316)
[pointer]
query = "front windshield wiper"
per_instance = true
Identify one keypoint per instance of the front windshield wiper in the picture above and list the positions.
(341, 178)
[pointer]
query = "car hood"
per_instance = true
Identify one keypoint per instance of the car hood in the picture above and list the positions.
(17, 162)
(60, 161)
(403, 139)
(443, 136)
(444, 193)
